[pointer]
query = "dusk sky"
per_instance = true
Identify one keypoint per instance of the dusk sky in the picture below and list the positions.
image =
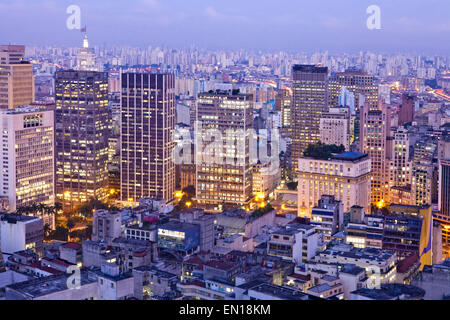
(416, 26)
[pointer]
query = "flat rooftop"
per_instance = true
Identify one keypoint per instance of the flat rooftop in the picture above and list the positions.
(309, 68)
(350, 156)
(44, 286)
(282, 293)
(391, 291)
(14, 218)
(159, 273)
(371, 254)
(178, 226)
(24, 109)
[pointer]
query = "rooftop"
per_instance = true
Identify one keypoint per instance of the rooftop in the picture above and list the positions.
(159, 273)
(322, 287)
(14, 218)
(24, 109)
(350, 156)
(44, 286)
(178, 226)
(351, 269)
(219, 264)
(392, 291)
(348, 251)
(280, 292)
(72, 245)
(309, 68)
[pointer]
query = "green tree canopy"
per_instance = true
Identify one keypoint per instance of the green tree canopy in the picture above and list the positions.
(322, 151)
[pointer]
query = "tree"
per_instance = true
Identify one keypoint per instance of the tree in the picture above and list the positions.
(60, 233)
(322, 151)
(70, 224)
(58, 206)
(47, 230)
(86, 209)
(41, 207)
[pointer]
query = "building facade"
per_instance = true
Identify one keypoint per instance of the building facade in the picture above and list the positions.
(28, 157)
(373, 140)
(444, 187)
(81, 136)
(147, 137)
(224, 168)
(336, 127)
(309, 102)
(16, 77)
(345, 176)
(363, 87)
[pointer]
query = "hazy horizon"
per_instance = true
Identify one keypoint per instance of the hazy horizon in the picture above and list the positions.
(407, 26)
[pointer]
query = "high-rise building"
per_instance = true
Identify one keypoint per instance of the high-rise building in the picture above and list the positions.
(283, 103)
(147, 136)
(345, 176)
(424, 171)
(224, 172)
(373, 140)
(309, 101)
(12, 54)
(347, 99)
(27, 169)
(444, 187)
(422, 183)
(358, 82)
(400, 167)
(16, 78)
(81, 136)
(336, 127)
(86, 57)
(406, 112)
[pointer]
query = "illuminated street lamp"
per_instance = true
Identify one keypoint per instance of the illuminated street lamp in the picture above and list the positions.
(178, 194)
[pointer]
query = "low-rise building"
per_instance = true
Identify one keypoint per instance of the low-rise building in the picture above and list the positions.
(248, 224)
(328, 217)
(95, 253)
(352, 278)
(295, 242)
(57, 287)
(106, 226)
(364, 231)
(197, 290)
(183, 238)
(114, 284)
(149, 281)
(380, 265)
(329, 287)
(267, 291)
(219, 269)
(392, 291)
(435, 280)
(19, 232)
(71, 252)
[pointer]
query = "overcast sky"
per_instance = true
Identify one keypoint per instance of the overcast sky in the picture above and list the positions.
(302, 25)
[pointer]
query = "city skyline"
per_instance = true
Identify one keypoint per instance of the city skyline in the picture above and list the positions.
(137, 165)
(414, 27)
